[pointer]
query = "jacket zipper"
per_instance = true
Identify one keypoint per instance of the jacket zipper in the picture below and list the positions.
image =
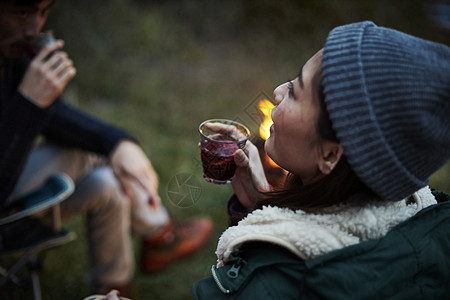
(216, 279)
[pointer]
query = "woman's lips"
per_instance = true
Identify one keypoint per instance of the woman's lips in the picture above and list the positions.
(273, 111)
(272, 127)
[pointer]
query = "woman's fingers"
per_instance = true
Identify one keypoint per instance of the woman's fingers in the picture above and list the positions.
(225, 129)
(241, 159)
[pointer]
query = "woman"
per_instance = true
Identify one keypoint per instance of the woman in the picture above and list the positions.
(360, 130)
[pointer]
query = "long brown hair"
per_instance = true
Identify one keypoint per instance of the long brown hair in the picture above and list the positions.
(337, 187)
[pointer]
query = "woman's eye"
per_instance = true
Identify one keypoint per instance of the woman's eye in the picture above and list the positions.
(291, 89)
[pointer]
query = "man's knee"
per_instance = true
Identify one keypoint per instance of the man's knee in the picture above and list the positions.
(104, 182)
(100, 192)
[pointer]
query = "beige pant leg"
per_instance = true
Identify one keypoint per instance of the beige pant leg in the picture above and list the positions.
(97, 195)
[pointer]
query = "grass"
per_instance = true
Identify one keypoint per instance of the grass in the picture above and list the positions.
(160, 68)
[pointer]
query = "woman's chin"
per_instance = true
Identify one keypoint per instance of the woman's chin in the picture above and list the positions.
(269, 149)
(268, 146)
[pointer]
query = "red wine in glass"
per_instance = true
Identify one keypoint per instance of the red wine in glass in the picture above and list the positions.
(218, 144)
(218, 161)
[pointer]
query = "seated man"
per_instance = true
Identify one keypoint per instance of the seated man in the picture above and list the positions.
(116, 185)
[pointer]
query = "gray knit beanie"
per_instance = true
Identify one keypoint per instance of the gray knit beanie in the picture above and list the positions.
(388, 97)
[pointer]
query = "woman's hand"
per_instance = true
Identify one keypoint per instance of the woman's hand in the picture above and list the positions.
(130, 164)
(249, 179)
(47, 75)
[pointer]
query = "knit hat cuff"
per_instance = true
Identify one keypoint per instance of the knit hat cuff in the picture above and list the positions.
(351, 112)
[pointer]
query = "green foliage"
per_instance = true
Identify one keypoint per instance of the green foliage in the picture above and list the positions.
(159, 68)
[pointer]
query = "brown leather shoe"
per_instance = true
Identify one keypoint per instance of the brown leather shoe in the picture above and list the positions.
(174, 241)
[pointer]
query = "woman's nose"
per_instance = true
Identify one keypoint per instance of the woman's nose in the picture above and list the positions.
(279, 92)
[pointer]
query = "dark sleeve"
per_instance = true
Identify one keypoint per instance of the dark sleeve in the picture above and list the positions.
(20, 124)
(236, 211)
(72, 127)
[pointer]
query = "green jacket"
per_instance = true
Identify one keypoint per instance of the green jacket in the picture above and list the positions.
(411, 262)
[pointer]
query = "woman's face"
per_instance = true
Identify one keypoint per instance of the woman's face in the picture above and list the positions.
(294, 142)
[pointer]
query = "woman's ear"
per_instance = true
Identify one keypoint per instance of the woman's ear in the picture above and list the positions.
(330, 156)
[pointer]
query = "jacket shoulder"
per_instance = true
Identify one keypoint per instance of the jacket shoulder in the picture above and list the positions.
(257, 269)
(410, 262)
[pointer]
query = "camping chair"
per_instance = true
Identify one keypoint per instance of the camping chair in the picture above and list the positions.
(21, 232)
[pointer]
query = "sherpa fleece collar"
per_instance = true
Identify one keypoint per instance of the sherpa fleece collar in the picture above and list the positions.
(311, 235)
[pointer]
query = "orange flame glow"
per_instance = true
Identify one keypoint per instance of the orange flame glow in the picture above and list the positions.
(265, 106)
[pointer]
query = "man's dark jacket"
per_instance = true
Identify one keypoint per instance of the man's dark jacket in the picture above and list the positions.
(22, 122)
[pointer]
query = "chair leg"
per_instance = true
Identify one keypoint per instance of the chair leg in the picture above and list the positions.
(34, 265)
(11, 277)
(56, 211)
(36, 285)
(13, 270)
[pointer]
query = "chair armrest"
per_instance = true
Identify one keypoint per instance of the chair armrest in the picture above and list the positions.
(53, 191)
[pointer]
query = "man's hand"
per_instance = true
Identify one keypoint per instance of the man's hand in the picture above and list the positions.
(46, 76)
(130, 164)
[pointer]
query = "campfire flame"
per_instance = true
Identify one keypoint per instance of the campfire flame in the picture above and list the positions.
(265, 106)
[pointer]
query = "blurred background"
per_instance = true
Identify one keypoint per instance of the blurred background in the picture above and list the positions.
(159, 68)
